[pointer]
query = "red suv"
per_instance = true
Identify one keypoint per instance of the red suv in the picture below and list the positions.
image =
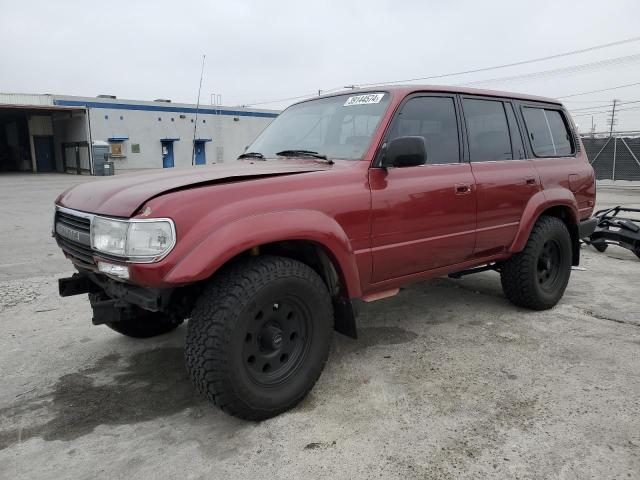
(343, 198)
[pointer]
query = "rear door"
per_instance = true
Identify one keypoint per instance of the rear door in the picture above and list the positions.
(505, 179)
(423, 217)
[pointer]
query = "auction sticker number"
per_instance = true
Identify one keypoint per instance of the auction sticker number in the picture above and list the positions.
(364, 99)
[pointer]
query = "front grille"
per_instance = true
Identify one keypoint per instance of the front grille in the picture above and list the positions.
(79, 247)
(78, 223)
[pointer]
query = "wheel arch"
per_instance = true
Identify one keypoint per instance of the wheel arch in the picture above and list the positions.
(307, 236)
(558, 203)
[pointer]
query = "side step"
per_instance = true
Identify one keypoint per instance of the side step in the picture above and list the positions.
(484, 268)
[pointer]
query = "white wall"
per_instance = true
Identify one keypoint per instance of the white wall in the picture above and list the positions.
(148, 128)
(146, 123)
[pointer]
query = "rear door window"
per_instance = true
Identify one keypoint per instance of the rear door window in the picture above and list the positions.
(548, 132)
(487, 129)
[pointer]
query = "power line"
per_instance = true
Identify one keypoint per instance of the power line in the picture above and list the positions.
(563, 70)
(451, 74)
(513, 64)
(600, 106)
(601, 90)
(599, 112)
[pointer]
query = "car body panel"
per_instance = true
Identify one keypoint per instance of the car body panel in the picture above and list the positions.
(418, 221)
(122, 196)
(382, 228)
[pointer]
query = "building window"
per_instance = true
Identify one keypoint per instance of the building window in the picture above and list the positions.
(204, 121)
(192, 120)
(159, 119)
(121, 117)
(116, 149)
(172, 119)
(106, 117)
(135, 148)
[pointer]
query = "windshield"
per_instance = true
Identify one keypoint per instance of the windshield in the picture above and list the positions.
(339, 127)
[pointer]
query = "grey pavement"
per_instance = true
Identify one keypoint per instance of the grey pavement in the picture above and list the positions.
(448, 380)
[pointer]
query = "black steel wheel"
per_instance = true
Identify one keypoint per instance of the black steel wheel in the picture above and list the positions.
(277, 341)
(537, 277)
(549, 265)
(259, 336)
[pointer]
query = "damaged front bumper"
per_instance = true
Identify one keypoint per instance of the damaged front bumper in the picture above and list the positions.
(114, 301)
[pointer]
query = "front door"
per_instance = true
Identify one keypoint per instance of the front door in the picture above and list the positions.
(43, 146)
(167, 154)
(423, 217)
(505, 179)
(199, 153)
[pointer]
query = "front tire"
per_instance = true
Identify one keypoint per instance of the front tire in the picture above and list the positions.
(537, 277)
(259, 336)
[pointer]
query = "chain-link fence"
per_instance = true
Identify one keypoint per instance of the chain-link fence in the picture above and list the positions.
(615, 157)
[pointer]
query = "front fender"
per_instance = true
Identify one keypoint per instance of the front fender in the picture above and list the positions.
(241, 235)
(538, 203)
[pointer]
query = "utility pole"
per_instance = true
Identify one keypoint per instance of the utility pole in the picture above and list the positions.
(612, 119)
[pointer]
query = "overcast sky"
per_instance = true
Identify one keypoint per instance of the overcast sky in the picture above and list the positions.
(259, 51)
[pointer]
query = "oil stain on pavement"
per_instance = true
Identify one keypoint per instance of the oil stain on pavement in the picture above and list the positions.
(147, 385)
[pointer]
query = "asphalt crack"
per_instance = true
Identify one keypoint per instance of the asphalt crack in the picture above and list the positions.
(609, 319)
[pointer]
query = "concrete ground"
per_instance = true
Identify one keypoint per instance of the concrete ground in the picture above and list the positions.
(448, 380)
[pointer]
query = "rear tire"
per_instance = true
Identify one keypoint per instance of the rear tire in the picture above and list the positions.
(150, 324)
(537, 277)
(259, 336)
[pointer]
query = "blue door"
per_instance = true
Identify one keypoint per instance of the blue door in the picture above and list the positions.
(200, 156)
(167, 154)
(43, 147)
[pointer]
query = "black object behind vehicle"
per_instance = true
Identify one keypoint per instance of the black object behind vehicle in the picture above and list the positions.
(613, 229)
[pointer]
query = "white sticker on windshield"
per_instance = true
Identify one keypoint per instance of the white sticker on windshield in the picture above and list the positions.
(364, 99)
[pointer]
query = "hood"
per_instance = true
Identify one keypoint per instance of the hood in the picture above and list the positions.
(123, 195)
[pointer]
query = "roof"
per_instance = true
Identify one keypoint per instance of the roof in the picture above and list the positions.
(403, 90)
(69, 102)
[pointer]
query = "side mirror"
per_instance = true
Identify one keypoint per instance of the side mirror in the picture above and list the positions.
(405, 152)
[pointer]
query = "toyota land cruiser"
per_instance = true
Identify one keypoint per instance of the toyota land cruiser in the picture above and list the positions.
(343, 198)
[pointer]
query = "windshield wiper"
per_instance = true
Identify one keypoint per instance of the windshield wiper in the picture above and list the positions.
(257, 155)
(301, 153)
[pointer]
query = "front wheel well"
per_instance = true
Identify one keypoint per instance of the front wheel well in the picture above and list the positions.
(564, 214)
(318, 258)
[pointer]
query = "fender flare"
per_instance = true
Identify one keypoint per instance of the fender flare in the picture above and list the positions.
(222, 244)
(538, 203)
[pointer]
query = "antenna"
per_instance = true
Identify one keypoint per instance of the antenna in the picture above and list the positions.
(195, 124)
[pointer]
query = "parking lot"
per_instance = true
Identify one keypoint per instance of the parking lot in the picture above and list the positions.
(447, 380)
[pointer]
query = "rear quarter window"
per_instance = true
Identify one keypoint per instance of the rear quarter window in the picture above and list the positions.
(548, 132)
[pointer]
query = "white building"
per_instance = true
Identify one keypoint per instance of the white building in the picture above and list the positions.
(49, 133)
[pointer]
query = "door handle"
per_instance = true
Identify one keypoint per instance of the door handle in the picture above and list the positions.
(530, 181)
(463, 188)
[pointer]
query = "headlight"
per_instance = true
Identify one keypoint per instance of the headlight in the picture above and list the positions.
(135, 240)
